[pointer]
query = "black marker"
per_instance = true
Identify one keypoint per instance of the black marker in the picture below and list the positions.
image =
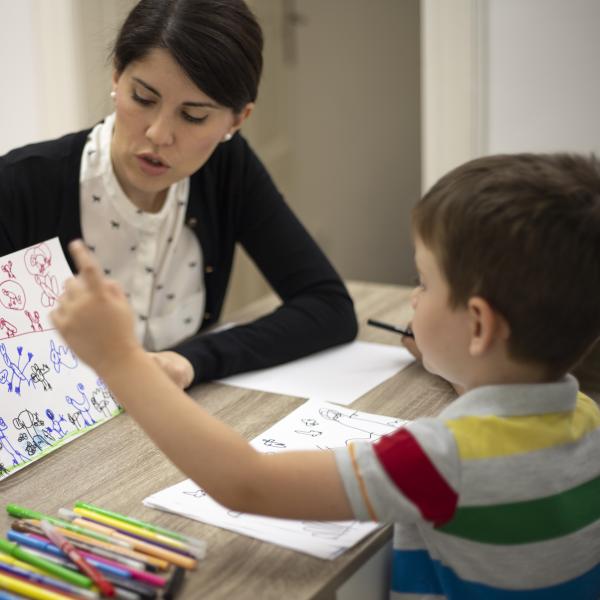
(174, 583)
(405, 332)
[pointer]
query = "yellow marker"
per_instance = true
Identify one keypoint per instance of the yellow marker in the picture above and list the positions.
(143, 533)
(187, 562)
(28, 589)
(9, 560)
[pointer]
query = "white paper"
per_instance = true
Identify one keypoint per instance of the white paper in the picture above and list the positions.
(47, 396)
(314, 425)
(339, 375)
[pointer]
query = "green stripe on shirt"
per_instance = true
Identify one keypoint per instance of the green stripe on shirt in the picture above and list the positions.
(530, 521)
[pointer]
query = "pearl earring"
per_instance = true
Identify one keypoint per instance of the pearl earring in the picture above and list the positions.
(227, 137)
(113, 94)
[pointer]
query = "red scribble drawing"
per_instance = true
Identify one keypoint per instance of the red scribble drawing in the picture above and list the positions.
(38, 260)
(8, 327)
(7, 268)
(12, 295)
(35, 320)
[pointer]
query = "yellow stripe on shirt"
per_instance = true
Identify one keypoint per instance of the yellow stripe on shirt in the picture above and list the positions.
(490, 436)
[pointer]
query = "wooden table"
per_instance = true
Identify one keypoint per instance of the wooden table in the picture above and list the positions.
(116, 466)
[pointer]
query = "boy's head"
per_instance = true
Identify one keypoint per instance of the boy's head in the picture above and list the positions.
(522, 232)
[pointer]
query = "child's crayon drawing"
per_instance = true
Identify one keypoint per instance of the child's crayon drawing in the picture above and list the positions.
(314, 425)
(47, 396)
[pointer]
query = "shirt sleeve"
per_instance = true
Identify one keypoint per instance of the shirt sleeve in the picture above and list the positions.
(407, 477)
(316, 311)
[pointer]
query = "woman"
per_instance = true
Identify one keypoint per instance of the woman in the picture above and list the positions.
(163, 189)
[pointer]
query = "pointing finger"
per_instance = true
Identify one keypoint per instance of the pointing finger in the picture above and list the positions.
(86, 264)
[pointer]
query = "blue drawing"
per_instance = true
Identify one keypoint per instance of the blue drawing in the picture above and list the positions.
(5, 445)
(14, 369)
(82, 406)
(55, 424)
(33, 431)
(62, 357)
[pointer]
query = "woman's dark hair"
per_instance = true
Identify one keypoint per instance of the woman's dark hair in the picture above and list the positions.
(218, 43)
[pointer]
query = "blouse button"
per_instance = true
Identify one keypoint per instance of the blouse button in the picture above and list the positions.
(207, 316)
(192, 222)
(209, 269)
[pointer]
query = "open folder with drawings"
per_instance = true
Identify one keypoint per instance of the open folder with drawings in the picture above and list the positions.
(47, 396)
(314, 425)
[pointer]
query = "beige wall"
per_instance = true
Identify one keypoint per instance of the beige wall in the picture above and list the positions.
(337, 121)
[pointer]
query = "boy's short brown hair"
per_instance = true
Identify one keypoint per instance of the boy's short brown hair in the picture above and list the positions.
(523, 232)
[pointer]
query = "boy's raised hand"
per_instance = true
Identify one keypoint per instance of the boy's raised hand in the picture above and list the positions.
(93, 314)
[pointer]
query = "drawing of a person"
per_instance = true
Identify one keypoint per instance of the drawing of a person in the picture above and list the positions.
(55, 424)
(5, 445)
(32, 425)
(14, 368)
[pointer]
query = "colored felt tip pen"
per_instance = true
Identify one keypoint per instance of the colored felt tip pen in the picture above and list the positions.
(106, 589)
(32, 526)
(35, 577)
(200, 544)
(151, 547)
(25, 513)
(175, 583)
(24, 589)
(149, 536)
(45, 565)
(405, 332)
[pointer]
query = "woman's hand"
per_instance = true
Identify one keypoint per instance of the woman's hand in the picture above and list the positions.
(177, 367)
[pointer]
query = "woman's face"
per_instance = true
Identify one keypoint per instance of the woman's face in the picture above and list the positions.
(165, 129)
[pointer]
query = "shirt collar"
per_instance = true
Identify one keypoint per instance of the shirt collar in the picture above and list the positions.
(516, 399)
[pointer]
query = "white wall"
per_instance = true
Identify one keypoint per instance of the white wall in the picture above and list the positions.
(508, 76)
(543, 61)
(55, 78)
(19, 115)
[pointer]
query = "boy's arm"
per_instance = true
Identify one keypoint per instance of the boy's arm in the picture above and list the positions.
(94, 318)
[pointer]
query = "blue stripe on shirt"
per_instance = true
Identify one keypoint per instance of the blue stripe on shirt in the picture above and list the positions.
(415, 572)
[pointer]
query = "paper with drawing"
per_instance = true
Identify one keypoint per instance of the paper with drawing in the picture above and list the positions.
(314, 425)
(47, 397)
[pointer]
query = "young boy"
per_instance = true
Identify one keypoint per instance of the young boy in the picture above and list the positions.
(499, 496)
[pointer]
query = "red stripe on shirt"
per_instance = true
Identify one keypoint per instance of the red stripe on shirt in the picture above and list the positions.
(416, 476)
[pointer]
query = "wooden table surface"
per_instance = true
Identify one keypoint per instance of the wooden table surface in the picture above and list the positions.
(116, 466)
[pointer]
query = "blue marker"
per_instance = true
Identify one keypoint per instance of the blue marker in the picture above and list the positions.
(48, 548)
(8, 596)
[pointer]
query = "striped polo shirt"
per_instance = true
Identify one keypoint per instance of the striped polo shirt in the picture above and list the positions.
(496, 498)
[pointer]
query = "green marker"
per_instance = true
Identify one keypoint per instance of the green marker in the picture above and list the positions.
(143, 525)
(17, 552)
(25, 513)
